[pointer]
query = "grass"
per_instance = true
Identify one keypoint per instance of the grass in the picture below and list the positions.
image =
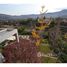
(44, 48)
(49, 60)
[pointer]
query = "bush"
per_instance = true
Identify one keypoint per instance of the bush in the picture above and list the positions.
(22, 31)
(52, 24)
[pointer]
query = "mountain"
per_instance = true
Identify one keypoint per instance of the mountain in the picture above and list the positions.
(9, 17)
(26, 16)
(5, 17)
(62, 14)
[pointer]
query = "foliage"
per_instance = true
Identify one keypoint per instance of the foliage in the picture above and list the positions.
(52, 24)
(27, 21)
(63, 57)
(61, 50)
(22, 31)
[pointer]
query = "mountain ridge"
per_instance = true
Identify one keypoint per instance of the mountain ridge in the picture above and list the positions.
(61, 14)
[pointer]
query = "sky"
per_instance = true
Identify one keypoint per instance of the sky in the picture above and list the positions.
(24, 7)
